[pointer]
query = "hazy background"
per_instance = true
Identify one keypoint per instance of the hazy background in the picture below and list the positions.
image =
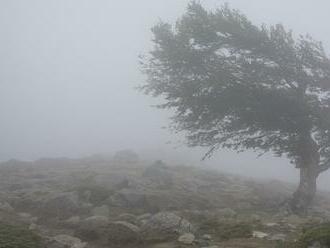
(68, 69)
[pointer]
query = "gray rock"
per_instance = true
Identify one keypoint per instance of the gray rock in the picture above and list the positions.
(65, 241)
(165, 225)
(187, 238)
(62, 206)
(93, 229)
(207, 237)
(121, 232)
(259, 235)
(73, 221)
(5, 207)
(130, 218)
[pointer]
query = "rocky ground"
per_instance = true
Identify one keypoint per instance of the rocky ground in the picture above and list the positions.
(101, 202)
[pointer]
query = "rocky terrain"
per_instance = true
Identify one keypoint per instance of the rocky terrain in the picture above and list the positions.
(101, 202)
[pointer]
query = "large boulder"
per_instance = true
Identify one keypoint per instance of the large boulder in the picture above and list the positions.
(61, 206)
(93, 229)
(165, 225)
(121, 232)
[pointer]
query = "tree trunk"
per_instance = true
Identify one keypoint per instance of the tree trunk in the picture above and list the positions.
(308, 165)
(306, 191)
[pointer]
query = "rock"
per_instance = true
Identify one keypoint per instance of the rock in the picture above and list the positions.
(62, 206)
(96, 221)
(187, 238)
(131, 218)
(165, 225)
(65, 241)
(317, 245)
(33, 226)
(142, 219)
(101, 211)
(121, 232)
(6, 207)
(278, 237)
(259, 235)
(271, 224)
(207, 237)
(73, 221)
(226, 213)
(93, 228)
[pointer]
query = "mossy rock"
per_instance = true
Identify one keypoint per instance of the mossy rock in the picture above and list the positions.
(319, 234)
(18, 237)
(98, 194)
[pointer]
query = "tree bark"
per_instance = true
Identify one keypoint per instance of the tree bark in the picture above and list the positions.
(308, 164)
(306, 191)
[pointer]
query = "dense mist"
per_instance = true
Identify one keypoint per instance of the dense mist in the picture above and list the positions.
(69, 72)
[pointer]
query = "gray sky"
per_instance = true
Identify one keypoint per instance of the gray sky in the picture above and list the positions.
(68, 69)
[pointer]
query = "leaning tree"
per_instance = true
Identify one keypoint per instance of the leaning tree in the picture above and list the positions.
(233, 84)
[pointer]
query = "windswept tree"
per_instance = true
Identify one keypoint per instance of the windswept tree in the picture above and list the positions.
(233, 84)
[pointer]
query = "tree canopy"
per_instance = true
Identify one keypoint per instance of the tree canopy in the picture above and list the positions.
(234, 84)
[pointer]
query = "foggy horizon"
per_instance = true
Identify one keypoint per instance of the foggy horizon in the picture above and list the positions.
(69, 72)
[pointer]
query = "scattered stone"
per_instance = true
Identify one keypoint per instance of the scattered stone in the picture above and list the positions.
(207, 237)
(165, 225)
(271, 224)
(259, 235)
(33, 226)
(187, 238)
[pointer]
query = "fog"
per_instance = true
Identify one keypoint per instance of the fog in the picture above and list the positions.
(69, 71)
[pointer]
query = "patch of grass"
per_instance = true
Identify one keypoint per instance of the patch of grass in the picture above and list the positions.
(227, 230)
(320, 233)
(17, 237)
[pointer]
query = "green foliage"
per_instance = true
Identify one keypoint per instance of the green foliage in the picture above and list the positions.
(236, 85)
(17, 237)
(319, 234)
